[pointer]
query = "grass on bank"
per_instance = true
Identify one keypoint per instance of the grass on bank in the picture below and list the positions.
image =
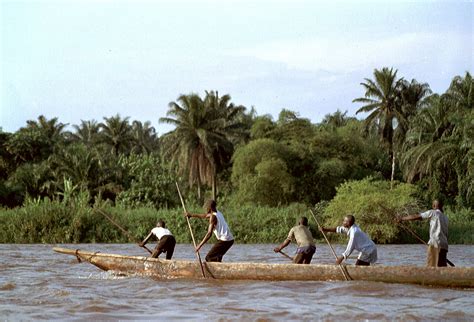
(54, 221)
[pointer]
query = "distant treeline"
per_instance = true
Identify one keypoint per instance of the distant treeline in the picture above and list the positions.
(224, 150)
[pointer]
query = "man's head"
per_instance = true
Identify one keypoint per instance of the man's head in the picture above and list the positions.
(303, 221)
(348, 221)
(210, 206)
(437, 204)
(161, 223)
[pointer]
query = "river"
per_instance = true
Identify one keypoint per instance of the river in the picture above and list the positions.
(37, 284)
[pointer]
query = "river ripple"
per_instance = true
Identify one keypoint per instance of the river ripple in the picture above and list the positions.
(37, 283)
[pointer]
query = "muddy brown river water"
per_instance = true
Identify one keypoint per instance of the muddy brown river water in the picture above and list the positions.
(37, 283)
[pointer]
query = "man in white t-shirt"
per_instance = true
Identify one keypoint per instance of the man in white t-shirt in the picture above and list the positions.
(166, 240)
(438, 243)
(218, 225)
(358, 240)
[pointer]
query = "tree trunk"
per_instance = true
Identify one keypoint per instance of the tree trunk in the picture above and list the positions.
(199, 189)
(214, 186)
(392, 177)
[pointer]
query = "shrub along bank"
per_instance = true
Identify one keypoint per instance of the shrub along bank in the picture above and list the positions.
(54, 221)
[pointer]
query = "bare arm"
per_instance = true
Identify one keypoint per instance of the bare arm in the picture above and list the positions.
(411, 217)
(190, 215)
(210, 228)
(143, 243)
(324, 229)
(282, 245)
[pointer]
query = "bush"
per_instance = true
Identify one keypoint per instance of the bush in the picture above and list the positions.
(374, 205)
(72, 220)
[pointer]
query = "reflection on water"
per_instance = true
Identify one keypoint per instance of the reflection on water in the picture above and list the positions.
(37, 283)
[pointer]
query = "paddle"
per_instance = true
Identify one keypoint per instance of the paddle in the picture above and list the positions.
(421, 240)
(410, 230)
(191, 231)
(346, 276)
(130, 237)
(286, 255)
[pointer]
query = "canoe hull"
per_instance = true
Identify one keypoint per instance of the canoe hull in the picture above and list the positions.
(159, 268)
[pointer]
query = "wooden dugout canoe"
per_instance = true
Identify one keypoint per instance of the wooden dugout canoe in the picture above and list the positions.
(168, 269)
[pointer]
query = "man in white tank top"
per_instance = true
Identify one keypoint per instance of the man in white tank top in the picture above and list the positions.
(219, 227)
(166, 242)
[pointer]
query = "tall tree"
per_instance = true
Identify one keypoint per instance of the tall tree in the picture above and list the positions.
(336, 120)
(381, 99)
(412, 97)
(37, 141)
(143, 137)
(77, 163)
(439, 143)
(202, 139)
(52, 129)
(262, 127)
(185, 144)
(87, 132)
(230, 129)
(117, 134)
(260, 173)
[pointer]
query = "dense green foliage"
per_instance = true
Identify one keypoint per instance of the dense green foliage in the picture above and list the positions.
(260, 173)
(414, 146)
(203, 141)
(374, 205)
(73, 221)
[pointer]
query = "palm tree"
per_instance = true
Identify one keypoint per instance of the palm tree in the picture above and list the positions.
(116, 133)
(427, 129)
(412, 97)
(439, 141)
(460, 93)
(87, 132)
(230, 129)
(234, 120)
(77, 163)
(335, 120)
(143, 137)
(37, 141)
(381, 100)
(460, 97)
(52, 129)
(187, 144)
(202, 140)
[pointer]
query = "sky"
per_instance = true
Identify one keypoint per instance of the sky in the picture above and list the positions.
(86, 60)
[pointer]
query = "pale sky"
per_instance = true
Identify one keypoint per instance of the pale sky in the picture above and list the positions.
(86, 60)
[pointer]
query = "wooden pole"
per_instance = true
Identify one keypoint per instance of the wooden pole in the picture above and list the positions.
(191, 231)
(421, 240)
(286, 255)
(130, 237)
(346, 276)
(410, 230)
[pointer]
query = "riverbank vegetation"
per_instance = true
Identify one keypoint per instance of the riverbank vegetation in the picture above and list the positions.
(411, 146)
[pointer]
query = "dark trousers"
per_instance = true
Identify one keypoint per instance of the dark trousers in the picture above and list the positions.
(218, 250)
(362, 263)
(442, 259)
(165, 245)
